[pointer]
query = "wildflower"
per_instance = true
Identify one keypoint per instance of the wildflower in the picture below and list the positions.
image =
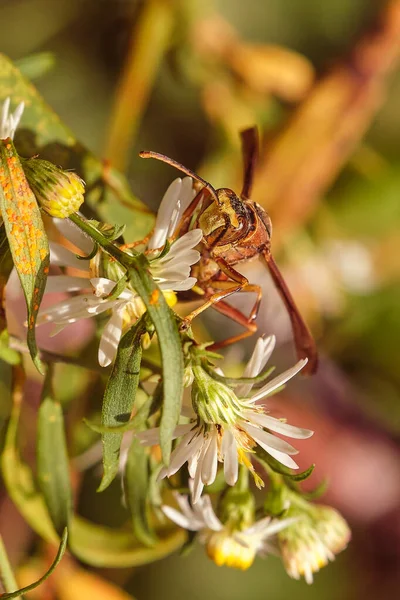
(226, 426)
(226, 543)
(170, 270)
(9, 122)
(318, 534)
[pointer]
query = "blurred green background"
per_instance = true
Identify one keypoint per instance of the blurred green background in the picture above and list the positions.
(336, 224)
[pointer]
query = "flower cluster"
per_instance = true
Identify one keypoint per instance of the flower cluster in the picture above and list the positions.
(226, 427)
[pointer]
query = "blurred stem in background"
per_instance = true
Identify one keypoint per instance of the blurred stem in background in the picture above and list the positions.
(149, 41)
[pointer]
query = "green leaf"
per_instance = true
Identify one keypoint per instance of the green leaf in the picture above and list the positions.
(52, 458)
(264, 458)
(119, 397)
(26, 236)
(6, 573)
(170, 347)
(137, 483)
(18, 477)
(34, 585)
(101, 546)
(302, 476)
(42, 132)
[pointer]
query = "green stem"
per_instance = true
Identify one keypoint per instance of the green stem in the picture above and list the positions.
(6, 573)
(112, 249)
(243, 479)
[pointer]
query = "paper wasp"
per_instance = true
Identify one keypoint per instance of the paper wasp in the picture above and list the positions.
(235, 229)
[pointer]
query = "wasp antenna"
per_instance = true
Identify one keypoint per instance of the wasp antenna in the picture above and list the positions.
(174, 163)
(249, 138)
(304, 342)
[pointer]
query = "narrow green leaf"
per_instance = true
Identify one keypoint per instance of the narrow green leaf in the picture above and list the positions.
(52, 458)
(136, 480)
(170, 347)
(119, 397)
(137, 483)
(302, 476)
(101, 546)
(264, 458)
(34, 585)
(26, 236)
(19, 481)
(7, 577)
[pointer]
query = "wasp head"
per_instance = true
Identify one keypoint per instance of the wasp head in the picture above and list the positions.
(226, 222)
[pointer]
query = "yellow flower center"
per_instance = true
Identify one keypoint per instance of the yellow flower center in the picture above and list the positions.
(223, 549)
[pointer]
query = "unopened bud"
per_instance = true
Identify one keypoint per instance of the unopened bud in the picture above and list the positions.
(58, 192)
(213, 401)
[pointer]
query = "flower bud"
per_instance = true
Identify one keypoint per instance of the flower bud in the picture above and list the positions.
(58, 192)
(237, 508)
(313, 540)
(213, 401)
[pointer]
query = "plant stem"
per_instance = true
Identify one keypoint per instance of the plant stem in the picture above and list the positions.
(149, 41)
(6, 573)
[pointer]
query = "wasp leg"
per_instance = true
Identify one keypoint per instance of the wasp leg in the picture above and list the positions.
(211, 301)
(138, 242)
(236, 315)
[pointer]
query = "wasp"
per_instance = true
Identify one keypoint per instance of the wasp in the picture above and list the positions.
(235, 230)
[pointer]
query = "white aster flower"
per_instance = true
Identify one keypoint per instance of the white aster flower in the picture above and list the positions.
(226, 427)
(225, 544)
(170, 271)
(318, 534)
(9, 121)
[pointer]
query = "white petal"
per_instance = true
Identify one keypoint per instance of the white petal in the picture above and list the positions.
(277, 382)
(65, 311)
(261, 353)
(110, 339)
(65, 283)
(277, 425)
(179, 518)
(229, 453)
(187, 193)
(210, 519)
(75, 235)
(178, 286)
(186, 509)
(164, 214)
(210, 461)
(197, 485)
(62, 257)
(182, 452)
(268, 439)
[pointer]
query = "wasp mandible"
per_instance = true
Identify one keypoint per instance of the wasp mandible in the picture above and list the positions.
(235, 229)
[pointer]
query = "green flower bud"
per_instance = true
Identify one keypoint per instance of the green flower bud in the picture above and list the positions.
(213, 401)
(58, 192)
(237, 509)
(319, 533)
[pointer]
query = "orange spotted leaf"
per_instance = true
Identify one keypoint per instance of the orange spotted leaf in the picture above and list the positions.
(26, 236)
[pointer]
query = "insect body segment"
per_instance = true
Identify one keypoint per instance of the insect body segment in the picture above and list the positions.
(235, 229)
